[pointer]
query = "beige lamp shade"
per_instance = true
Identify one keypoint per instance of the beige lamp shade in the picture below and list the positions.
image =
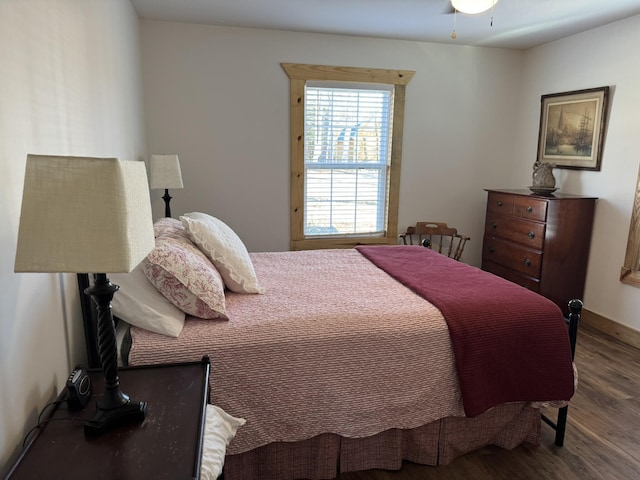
(165, 172)
(473, 6)
(84, 215)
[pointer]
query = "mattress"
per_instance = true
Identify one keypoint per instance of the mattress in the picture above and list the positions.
(335, 345)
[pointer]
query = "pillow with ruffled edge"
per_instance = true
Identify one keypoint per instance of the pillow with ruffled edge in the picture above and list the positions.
(225, 249)
(185, 276)
(139, 303)
(220, 428)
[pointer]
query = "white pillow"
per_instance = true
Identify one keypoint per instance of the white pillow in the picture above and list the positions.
(219, 430)
(139, 303)
(225, 249)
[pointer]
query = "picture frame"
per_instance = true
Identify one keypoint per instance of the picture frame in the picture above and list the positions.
(572, 128)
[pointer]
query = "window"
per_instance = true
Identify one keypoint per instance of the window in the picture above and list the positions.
(346, 133)
(346, 158)
(630, 271)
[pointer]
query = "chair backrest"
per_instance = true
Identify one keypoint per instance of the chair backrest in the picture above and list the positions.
(437, 236)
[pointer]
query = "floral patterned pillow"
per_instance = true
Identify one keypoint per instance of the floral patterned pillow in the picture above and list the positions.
(169, 227)
(186, 277)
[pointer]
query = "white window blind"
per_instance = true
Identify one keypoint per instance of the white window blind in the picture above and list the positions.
(347, 155)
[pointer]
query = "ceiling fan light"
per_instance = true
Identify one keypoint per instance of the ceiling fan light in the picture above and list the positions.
(473, 6)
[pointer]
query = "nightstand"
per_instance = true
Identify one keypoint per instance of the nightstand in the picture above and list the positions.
(166, 445)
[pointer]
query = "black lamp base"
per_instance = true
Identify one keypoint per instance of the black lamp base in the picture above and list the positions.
(114, 408)
(167, 200)
(132, 412)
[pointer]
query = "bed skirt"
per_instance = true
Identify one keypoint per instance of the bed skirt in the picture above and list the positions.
(437, 443)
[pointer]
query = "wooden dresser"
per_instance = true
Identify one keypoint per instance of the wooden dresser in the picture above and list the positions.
(539, 242)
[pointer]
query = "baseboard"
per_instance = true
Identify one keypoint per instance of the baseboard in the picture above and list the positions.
(605, 325)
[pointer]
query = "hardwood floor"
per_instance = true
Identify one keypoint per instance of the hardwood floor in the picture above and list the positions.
(602, 441)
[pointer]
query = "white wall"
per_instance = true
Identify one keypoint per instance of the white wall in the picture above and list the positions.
(219, 98)
(603, 56)
(71, 85)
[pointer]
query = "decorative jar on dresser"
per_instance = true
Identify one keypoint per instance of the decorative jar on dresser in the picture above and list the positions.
(539, 241)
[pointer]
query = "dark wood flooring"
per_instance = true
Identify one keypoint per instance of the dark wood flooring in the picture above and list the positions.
(602, 441)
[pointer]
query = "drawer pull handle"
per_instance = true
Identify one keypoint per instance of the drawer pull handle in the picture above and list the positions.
(491, 249)
(527, 262)
(529, 209)
(494, 225)
(531, 235)
(499, 203)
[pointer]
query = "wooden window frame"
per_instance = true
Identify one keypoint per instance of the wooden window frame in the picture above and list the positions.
(630, 271)
(299, 74)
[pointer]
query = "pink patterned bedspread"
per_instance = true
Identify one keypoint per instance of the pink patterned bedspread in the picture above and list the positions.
(334, 345)
(510, 344)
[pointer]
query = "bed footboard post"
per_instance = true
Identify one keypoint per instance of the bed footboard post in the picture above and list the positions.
(560, 425)
(575, 309)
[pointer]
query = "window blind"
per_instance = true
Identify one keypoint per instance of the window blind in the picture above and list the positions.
(347, 148)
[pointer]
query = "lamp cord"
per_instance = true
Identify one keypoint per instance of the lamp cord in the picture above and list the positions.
(41, 423)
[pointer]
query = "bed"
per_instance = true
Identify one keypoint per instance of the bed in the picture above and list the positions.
(353, 359)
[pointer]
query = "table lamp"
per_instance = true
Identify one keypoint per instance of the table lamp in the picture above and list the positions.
(82, 215)
(165, 173)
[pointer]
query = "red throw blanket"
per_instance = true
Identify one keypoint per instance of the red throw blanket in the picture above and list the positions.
(510, 344)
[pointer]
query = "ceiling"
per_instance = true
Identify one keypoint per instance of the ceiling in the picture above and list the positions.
(518, 24)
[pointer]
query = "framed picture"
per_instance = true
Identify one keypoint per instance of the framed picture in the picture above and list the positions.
(572, 128)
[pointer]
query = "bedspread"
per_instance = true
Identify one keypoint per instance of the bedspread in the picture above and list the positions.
(334, 345)
(510, 344)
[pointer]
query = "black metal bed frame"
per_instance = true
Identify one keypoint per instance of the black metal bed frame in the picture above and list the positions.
(573, 321)
(89, 319)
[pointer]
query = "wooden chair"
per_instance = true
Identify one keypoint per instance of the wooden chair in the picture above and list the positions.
(436, 235)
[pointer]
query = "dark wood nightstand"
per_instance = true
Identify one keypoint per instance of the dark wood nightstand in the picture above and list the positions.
(166, 445)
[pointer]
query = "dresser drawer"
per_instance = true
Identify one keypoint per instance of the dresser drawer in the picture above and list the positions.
(516, 257)
(530, 208)
(532, 284)
(500, 203)
(525, 232)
